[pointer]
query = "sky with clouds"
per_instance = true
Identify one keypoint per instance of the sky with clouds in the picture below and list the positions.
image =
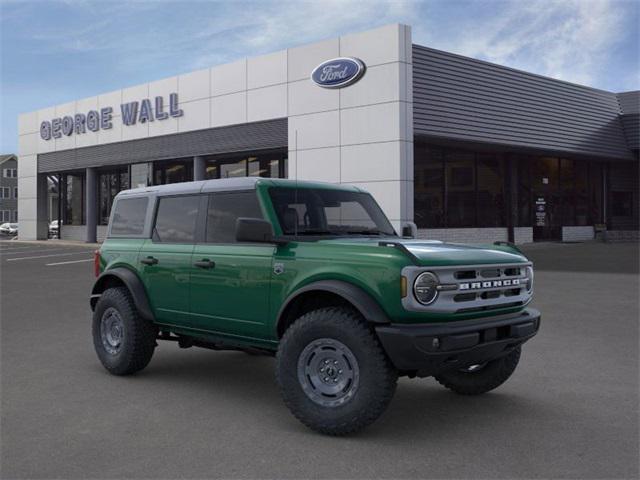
(55, 51)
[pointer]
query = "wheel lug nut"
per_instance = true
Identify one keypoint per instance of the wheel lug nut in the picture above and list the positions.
(326, 379)
(339, 371)
(335, 362)
(322, 369)
(326, 362)
(335, 380)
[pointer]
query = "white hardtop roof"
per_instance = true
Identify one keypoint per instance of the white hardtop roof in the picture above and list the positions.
(226, 184)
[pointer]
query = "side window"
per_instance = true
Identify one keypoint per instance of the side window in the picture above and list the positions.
(129, 215)
(176, 219)
(225, 209)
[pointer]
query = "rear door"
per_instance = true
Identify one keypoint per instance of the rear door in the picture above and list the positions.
(230, 281)
(165, 259)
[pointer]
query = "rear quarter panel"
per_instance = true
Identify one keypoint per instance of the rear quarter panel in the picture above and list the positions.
(120, 252)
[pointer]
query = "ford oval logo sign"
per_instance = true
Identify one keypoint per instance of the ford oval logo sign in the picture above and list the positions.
(338, 73)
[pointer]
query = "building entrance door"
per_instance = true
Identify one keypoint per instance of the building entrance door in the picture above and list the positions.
(547, 225)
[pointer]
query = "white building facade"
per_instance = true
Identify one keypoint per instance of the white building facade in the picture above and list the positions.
(266, 116)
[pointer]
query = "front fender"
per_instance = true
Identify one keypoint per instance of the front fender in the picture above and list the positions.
(361, 300)
(132, 282)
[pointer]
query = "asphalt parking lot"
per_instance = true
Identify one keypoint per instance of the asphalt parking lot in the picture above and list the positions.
(569, 411)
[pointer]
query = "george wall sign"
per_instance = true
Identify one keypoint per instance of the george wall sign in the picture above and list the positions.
(338, 72)
(94, 120)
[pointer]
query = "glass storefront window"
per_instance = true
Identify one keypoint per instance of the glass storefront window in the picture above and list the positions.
(173, 171)
(581, 172)
(457, 189)
(460, 189)
(73, 192)
(623, 198)
(234, 168)
(567, 192)
(109, 185)
(267, 164)
(596, 192)
(429, 187)
(523, 185)
(491, 199)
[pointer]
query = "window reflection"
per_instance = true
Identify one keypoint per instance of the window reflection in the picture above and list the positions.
(267, 165)
(73, 199)
(173, 171)
(460, 188)
(110, 183)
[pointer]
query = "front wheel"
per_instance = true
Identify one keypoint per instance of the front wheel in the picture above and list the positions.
(478, 379)
(332, 372)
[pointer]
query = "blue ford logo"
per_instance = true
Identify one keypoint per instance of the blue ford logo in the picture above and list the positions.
(338, 73)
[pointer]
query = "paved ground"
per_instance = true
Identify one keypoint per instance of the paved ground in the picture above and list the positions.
(570, 411)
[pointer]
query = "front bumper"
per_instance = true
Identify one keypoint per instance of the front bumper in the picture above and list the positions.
(429, 349)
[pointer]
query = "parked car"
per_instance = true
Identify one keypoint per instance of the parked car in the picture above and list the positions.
(315, 275)
(9, 229)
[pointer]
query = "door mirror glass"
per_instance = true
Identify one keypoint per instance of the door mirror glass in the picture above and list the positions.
(254, 230)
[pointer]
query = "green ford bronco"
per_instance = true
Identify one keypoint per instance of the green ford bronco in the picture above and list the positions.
(314, 274)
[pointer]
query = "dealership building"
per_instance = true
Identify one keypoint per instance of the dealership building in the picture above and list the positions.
(467, 150)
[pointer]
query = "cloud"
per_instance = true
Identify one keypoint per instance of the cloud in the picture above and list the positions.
(569, 40)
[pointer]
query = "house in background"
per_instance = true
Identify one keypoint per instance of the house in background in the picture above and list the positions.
(9, 188)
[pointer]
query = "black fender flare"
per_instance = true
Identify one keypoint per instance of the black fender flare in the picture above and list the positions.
(356, 296)
(132, 282)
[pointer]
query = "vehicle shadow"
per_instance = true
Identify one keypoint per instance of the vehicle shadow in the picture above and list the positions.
(420, 406)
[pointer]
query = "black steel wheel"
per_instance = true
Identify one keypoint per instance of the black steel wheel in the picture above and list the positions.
(332, 372)
(124, 341)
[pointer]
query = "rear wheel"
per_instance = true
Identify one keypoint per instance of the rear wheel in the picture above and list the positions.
(123, 340)
(481, 378)
(332, 372)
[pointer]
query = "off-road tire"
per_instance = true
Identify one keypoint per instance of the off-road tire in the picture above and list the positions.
(138, 338)
(377, 376)
(489, 377)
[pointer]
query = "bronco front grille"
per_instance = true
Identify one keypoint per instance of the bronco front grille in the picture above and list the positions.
(473, 288)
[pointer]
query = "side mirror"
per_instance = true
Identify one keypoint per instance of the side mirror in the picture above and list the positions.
(254, 230)
(410, 230)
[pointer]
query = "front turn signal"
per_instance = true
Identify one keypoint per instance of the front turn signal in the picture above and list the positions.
(403, 286)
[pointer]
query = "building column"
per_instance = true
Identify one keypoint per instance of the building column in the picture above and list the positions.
(199, 168)
(42, 213)
(91, 204)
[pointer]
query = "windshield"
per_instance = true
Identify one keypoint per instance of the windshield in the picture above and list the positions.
(315, 211)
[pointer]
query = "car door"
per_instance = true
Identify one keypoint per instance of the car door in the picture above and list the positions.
(230, 281)
(165, 259)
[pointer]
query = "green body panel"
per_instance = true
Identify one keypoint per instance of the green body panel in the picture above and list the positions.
(167, 283)
(233, 297)
(241, 298)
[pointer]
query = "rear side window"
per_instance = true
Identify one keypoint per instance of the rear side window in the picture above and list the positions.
(225, 209)
(176, 219)
(129, 215)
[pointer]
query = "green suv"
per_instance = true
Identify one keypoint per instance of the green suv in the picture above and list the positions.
(314, 274)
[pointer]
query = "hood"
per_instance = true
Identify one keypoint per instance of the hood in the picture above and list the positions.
(435, 253)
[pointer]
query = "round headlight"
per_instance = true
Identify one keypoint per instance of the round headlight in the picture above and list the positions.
(529, 275)
(425, 288)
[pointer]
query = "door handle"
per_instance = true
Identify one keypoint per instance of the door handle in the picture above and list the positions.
(149, 261)
(205, 263)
